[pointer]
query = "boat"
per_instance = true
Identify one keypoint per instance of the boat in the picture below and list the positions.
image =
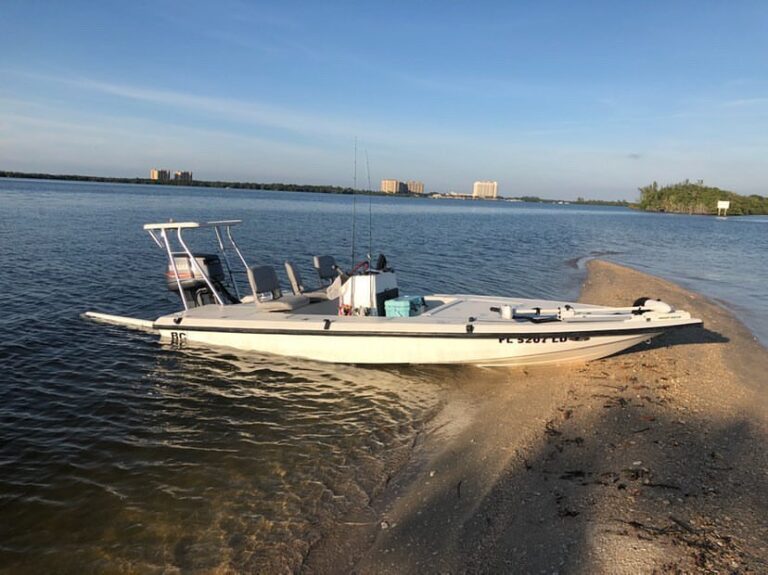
(360, 317)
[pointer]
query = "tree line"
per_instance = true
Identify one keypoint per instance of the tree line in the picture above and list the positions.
(273, 186)
(695, 198)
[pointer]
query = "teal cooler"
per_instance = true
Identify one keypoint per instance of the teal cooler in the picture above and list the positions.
(404, 306)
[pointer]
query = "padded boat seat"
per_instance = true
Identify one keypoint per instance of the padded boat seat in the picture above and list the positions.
(298, 286)
(267, 294)
(326, 268)
(284, 303)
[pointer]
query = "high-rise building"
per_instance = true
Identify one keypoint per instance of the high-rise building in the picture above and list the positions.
(183, 177)
(415, 187)
(485, 189)
(160, 175)
(392, 187)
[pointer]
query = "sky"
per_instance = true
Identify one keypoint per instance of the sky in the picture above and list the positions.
(553, 99)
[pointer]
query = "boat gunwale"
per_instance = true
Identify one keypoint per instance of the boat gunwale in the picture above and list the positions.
(430, 335)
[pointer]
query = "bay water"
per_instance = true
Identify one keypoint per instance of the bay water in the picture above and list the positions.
(118, 454)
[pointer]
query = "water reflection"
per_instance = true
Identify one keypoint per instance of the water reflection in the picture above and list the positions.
(215, 461)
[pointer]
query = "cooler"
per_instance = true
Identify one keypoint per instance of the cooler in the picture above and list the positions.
(404, 306)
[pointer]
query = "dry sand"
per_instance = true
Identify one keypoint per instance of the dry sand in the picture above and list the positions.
(651, 461)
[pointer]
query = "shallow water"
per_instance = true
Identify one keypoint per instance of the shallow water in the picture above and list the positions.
(119, 454)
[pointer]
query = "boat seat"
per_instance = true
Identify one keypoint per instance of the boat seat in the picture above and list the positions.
(267, 294)
(298, 286)
(326, 268)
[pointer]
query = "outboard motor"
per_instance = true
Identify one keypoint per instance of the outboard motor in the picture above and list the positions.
(653, 305)
(195, 291)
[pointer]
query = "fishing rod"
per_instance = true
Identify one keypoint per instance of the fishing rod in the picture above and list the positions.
(354, 205)
(370, 212)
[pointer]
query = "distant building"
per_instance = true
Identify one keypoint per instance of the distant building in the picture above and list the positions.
(160, 175)
(415, 187)
(485, 189)
(182, 177)
(392, 187)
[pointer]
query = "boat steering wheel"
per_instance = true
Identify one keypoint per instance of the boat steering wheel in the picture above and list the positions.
(363, 265)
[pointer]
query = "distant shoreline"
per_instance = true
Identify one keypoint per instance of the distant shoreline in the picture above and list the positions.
(277, 187)
(282, 187)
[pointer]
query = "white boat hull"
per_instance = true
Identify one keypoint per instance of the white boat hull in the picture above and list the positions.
(415, 350)
(454, 330)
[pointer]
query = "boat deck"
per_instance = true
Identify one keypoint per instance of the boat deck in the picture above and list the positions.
(444, 313)
(438, 308)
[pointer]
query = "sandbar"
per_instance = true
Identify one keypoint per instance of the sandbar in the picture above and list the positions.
(649, 461)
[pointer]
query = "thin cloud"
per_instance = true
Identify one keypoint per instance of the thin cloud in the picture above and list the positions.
(41, 142)
(27, 116)
(258, 114)
(745, 102)
(269, 116)
(251, 112)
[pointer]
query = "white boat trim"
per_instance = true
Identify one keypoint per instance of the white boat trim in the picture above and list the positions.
(190, 225)
(131, 322)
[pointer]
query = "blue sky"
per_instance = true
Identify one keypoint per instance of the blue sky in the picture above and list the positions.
(556, 99)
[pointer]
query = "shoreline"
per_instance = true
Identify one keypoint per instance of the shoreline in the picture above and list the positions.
(286, 187)
(650, 460)
(755, 333)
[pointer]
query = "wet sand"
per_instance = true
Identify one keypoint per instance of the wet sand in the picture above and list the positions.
(650, 461)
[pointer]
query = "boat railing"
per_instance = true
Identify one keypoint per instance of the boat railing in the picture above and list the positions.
(161, 234)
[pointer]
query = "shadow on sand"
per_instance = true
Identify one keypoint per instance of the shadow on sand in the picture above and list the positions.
(623, 479)
(631, 486)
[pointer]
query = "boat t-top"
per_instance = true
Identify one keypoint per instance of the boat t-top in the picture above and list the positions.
(359, 316)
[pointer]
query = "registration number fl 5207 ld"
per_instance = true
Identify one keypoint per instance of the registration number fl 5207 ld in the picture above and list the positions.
(539, 339)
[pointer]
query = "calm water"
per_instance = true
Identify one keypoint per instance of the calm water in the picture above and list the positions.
(118, 454)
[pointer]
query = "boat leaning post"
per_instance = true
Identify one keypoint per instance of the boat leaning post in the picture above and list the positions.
(191, 265)
(199, 268)
(223, 251)
(173, 266)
